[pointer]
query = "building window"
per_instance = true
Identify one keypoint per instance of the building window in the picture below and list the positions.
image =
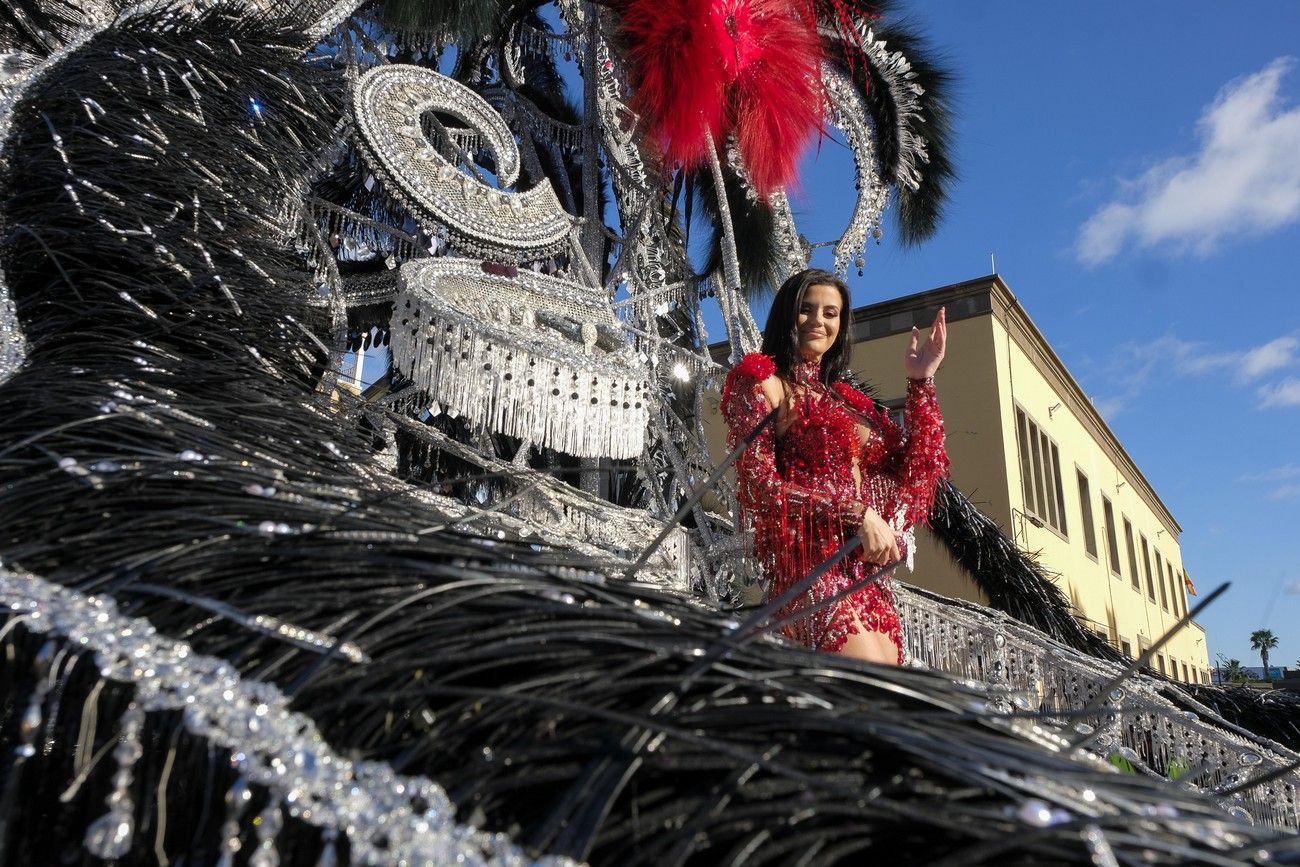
(1040, 473)
(1160, 580)
(1160, 659)
(1108, 515)
(1085, 508)
(1125, 646)
(1060, 491)
(1173, 588)
(1186, 677)
(1132, 556)
(1146, 567)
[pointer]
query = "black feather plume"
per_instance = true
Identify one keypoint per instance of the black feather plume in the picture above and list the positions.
(918, 211)
(753, 224)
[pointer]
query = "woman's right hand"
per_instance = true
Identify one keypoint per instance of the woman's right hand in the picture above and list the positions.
(879, 545)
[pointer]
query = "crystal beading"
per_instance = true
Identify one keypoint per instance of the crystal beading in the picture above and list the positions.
(271, 745)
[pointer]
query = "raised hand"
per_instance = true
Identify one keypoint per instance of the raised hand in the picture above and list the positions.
(922, 359)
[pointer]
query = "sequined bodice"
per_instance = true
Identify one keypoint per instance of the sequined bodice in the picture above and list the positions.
(820, 448)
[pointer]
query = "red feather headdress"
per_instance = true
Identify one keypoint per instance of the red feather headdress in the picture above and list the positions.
(751, 68)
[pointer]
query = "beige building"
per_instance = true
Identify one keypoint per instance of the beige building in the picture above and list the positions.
(1029, 448)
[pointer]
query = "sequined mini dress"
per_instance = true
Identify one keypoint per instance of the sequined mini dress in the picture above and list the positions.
(805, 491)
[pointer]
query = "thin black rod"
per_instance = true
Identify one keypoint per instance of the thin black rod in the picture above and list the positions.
(699, 492)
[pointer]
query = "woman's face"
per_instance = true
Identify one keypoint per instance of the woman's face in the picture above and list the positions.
(819, 320)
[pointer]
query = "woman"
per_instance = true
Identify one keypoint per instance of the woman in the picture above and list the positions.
(832, 465)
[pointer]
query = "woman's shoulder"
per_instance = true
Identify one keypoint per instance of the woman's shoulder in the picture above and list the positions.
(755, 374)
(755, 365)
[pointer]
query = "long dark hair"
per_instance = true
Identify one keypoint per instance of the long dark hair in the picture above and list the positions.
(781, 334)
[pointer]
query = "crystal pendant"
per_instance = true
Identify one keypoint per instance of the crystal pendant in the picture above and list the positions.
(271, 821)
(109, 837)
(329, 856)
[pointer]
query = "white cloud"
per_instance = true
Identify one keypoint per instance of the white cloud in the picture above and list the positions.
(1274, 355)
(1286, 471)
(1135, 364)
(1170, 353)
(1245, 179)
(1284, 393)
(1245, 364)
(1288, 475)
(1109, 407)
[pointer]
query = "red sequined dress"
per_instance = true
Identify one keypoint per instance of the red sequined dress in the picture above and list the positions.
(805, 491)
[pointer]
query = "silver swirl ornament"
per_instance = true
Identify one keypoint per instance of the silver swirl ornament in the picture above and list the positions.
(388, 103)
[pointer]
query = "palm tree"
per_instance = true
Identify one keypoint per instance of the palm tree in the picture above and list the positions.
(1233, 672)
(1263, 640)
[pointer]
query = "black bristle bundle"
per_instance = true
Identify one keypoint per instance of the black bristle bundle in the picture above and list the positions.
(166, 444)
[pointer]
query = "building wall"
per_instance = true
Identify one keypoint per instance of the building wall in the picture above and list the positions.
(1131, 617)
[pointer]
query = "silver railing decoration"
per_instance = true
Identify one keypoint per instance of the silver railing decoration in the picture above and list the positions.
(530, 356)
(1138, 729)
(388, 818)
(548, 511)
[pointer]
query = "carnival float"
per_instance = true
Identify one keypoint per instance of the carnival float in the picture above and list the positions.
(485, 609)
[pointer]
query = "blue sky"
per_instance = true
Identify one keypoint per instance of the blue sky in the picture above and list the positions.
(1135, 168)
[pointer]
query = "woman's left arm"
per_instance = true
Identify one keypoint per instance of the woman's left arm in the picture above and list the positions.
(918, 459)
(924, 460)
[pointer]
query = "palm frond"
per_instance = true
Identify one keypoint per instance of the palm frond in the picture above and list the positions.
(461, 21)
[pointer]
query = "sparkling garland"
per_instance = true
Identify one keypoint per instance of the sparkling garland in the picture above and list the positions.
(388, 818)
(849, 112)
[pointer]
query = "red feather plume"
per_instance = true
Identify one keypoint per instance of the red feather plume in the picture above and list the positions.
(678, 81)
(776, 100)
(751, 67)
